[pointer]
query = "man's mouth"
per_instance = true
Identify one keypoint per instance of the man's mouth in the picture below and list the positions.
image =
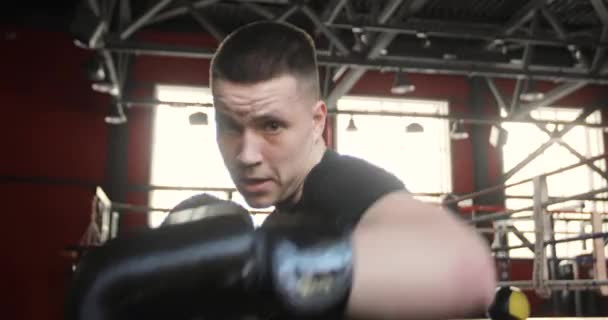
(254, 185)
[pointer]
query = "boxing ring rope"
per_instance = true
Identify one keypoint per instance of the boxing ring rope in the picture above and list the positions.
(587, 236)
(580, 284)
(545, 262)
(508, 213)
(506, 186)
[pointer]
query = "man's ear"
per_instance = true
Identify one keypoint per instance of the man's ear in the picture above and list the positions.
(319, 116)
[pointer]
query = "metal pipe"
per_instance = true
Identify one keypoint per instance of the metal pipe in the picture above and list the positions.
(454, 30)
(179, 11)
(463, 118)
(144, 18)
(388, 63)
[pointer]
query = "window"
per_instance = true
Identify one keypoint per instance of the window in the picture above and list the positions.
(421, 160)
(523, 139)
(185, 155)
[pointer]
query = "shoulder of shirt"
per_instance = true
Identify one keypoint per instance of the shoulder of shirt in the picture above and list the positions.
(334, 161)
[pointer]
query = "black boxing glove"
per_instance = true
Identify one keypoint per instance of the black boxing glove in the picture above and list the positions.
(173, 272)
(214, 265)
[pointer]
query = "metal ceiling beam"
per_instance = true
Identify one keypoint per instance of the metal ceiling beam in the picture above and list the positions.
(573, 151)
(519, 85)
(522, 16)
(337, 42)
(202, 20)
(261, 11)
(179, 11)
(331, 11)
(287, 13)
(601, 10)
(464, 118)
(550, 97)
(468, 68)
(526, 59)
(469, 31)
(146, 17)
(581, 117)
(389, 63)
(350, 78)
(109, 11)
(581, 157)
(576, 52)
(600, 53)
(500, 101)
(124, 60)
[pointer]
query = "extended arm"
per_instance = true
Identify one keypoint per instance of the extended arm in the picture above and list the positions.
(415, 260)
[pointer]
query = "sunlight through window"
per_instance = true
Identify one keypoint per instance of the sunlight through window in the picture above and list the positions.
(415, 149)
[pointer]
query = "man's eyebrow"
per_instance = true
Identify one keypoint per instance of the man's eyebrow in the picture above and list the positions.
(271, 113)
(224, 116)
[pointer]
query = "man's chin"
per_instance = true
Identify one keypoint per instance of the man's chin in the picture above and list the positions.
(259, 201)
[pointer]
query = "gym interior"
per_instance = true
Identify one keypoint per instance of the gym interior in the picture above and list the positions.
(494, 109)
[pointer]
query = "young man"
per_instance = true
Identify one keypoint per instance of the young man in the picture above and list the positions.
(346, 239)
(411, 260)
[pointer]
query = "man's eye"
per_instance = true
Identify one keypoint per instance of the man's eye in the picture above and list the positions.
(272, 126)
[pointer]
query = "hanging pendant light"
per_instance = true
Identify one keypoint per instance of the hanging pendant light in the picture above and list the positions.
(351, 124)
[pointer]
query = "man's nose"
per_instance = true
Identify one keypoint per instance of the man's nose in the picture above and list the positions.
(250, 150)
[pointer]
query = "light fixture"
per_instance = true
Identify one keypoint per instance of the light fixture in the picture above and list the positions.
(498, 136)
(531, 93)
(361, 39)
(94, 69)
(117, 115)
(351, 124)
(401, 85)
(105, 87)
(414, 127)
(457, 131)
(198, 119)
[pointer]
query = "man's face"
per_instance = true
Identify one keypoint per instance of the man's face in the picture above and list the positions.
(269, 135)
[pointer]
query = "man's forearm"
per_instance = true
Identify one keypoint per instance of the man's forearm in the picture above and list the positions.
(422, 264)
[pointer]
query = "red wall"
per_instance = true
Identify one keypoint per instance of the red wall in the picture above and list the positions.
(53, 128)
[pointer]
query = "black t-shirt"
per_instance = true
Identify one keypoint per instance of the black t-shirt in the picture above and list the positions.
(338, 190)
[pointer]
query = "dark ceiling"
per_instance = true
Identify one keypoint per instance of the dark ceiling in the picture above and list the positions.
(564, 41)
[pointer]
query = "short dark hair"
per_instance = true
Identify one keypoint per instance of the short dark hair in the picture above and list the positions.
(260, 51)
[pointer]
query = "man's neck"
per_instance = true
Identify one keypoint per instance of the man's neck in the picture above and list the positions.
(316, 157)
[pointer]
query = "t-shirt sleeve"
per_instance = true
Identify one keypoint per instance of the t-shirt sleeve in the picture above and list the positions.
(345, 187)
